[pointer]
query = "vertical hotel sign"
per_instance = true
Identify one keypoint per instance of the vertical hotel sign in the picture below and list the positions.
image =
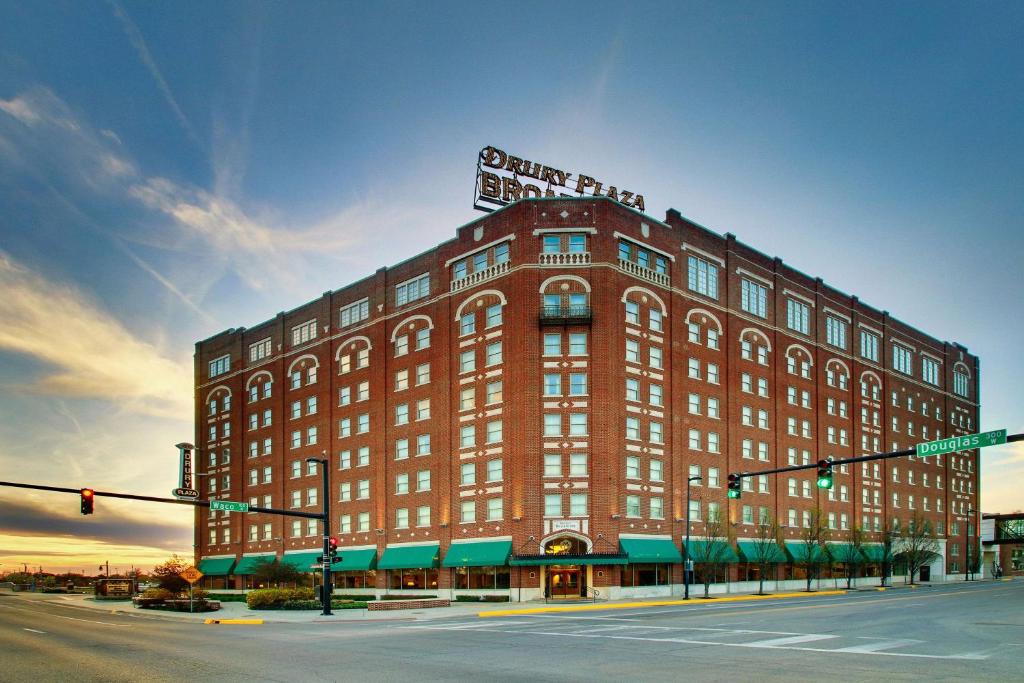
(185, 489)
(502, 179)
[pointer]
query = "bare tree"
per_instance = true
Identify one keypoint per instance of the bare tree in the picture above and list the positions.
(850, 553)
(766, 547)
(813, 538)
(890, 536)
(713, 551)
(917, 544)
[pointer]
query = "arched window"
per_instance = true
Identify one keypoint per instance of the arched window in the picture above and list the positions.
(353, 354)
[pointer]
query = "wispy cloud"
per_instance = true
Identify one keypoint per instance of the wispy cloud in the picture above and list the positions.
(91, 353)
(139, 43)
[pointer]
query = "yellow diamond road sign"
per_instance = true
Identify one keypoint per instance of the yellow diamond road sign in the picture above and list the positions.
(191, 575)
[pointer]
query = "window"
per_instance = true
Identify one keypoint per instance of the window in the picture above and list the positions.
(552, 465)
(578, 424)
(494, 431)
(259, 350)
(423, 339)
(218, 366)
(835, 332)
(713, 373)
(363, 489)
(423, 444)
(423, 409)
(960, 384)
(354, 313)
(632, 351)
(467, 324)
(632, 467)
(754, 298)
(467, 361)
(902, 360)
(311, 434)
(304, 332)
(798, 316)
(657, 505)
(930, 371)
(632, 506)
(552, 384)
(702, 277)
(467, 436)
(552, 505)
(411, 290)
(552, 424)
(401, 380)
(577, 384)
(712, 442)
(694, 511)
(632, 313)
(632, 390)
(694, 439)
(494, 470)
(655, 320)
(493, 315)
(552, 345)
(402, 414)
(762, 387)
(577, 343)
(495, 509)
(654, 357)
(654, 395)
(493, 391)
(869, 345)
(657, 435)
(401, 345)
(712, 407)
(632, 428)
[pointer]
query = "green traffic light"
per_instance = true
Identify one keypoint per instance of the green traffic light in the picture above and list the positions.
(733, 493)
(825, 482)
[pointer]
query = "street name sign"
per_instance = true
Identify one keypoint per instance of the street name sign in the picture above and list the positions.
(191, 575)
(229, 506)
(962, 443)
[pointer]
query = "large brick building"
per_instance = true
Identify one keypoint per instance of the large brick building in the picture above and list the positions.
(519, 409)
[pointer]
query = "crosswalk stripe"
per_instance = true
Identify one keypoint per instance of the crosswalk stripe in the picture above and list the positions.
(876, 647)
(791, 640)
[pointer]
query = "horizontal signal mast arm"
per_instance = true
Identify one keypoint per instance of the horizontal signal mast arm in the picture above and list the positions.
(156, 499)
(861, 458)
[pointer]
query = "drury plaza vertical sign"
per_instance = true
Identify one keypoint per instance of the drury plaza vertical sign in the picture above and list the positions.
(502, 178)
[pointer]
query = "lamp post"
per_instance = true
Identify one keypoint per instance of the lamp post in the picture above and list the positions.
(327, 589)
(686, 544)
(967, 543)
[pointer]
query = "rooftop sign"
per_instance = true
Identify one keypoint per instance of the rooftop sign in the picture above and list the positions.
(502, 178)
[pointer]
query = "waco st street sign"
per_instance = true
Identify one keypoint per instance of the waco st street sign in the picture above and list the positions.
(962, 443)
(229, 506)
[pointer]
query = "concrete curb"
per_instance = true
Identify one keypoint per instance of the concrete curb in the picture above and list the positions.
(240, 622)
(654, 603)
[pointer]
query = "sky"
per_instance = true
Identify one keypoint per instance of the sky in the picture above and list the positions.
(170, 170)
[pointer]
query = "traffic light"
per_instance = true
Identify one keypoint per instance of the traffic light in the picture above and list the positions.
(824, 474)
(333, 545)
(87, 500)
(734, 486)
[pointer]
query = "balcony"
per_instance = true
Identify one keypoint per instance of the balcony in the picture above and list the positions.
(480, 276)
(574, 258)
(645, 273)
(565, 315)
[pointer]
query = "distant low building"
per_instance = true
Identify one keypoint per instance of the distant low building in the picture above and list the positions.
(1002, 542)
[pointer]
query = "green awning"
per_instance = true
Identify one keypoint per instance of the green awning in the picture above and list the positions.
(721, 552)
(303, 561)
(478, 554)
(409, 557)
(752, 553)
(567, 559)
(249, 562)
(798, 553)
(216, 566)
(844, 553)
(650, 550)
(874, 552)
(360, 560)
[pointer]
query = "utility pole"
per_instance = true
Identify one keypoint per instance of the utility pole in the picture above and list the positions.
(327, 589)
(687, 563)
(967, 543)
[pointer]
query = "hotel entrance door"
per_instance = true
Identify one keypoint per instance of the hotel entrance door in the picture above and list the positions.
(565, 582)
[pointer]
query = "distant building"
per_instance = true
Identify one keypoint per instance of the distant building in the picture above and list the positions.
(1002, 543)
(517, 411)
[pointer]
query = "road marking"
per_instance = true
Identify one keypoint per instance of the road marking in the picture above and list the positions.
(33, 630)
(791, 640)
(880, 645)
(240, 622)
(60, 616)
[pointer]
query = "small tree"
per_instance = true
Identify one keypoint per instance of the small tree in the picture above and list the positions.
(917, 544)
(766, 547)
(714, 552)
(166, 574)
(813, 538)
(850, 553)
(890, 535)
(273, 573)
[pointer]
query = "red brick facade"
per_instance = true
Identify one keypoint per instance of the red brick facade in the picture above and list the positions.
(786, 370)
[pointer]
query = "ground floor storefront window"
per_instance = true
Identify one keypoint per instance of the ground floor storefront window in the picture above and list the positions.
(481, 578)
(750, 571)
(412, 579)
(711, 573)
(645, 575)
(216, 583)
(358, 579)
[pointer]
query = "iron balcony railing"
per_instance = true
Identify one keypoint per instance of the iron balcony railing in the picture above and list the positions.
(565, 315)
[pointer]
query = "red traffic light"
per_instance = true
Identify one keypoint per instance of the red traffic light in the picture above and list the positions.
(333, 543)
(88, 498)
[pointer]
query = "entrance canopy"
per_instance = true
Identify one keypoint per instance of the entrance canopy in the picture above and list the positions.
(410, 557)
(303, 561)
(249, 562)
(650, 550)
(752, 554)
(478, 554)
(721, 553)
(216, 566)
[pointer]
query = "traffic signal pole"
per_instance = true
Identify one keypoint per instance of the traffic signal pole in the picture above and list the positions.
(327, 590)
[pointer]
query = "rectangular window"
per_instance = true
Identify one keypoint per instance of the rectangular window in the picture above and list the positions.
(552, 465)
(467, 436)
(411, 290)
(632, 351)
(754, 298)
(930, 371)
(961, 384)
(869, 345)
(798, 316)
(902, 360)
(494, 470)
(304, 333)
(578, 424)
(495, 509)
(423, 339)
(577, 343)
(552, 344)
(552, 505)
(552, 384)
(577, 384)
(355, 312)
(632, 390)
(467, 361)
(632, 506)
(702, 277)
(494, 431)
(259, 350)
(218, 366)
(632, 428)
(835, 332)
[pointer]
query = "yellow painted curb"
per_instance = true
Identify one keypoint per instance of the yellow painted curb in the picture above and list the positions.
(250, 622)
(652, 603)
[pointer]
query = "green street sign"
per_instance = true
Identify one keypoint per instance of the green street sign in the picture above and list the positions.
(229, 506)
(962, 443)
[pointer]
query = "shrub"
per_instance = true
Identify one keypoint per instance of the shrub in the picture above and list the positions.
(227, 597)
(270, 598)
(467, 598)
(157, 594)
(495, 598)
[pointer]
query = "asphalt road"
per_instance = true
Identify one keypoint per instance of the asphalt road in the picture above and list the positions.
(959, 632)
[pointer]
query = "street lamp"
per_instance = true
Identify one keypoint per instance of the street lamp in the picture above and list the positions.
(686, 546)
(967, 543)
(327, 589)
